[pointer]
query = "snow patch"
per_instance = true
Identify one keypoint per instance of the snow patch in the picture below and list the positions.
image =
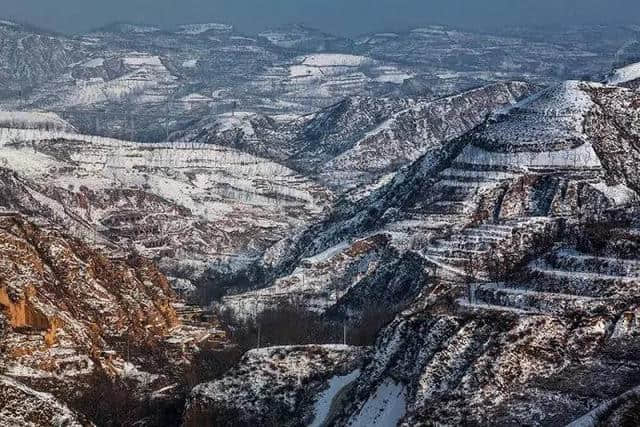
(328, 254)
(191, 63)
(194, 29)
(385, 407)
(619, 194)
(322, 407)
(335, 60)
(582, 156)
(625, 74)
(94, 63)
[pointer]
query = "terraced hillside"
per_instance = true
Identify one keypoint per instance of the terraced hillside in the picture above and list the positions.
(449, 187)
(491, 191)
(195, 208)
(512, 258)
(360, 140)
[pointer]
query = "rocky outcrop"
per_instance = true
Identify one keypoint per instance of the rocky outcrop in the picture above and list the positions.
(277, 385)
(21, 405)
(614, 124)
(73, 312)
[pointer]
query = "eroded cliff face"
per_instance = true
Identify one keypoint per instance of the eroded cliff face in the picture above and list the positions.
(72, 312)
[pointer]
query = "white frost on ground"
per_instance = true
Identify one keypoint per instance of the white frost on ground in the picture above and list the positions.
(131, 371)
(385, 407)
(33, 120)
(328, 254)
(593, 418)
(335, 60)
(94, 63)
(33, 401)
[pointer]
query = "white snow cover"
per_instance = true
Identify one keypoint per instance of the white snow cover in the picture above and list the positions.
(264, 371)
(593, 418)
(251, 200)
(395, 76)
(94, 63)
(142, 59)
(63, 415)
(139, 29)
(625, 74)
(554, 116)
(582, 156)
(33, 120)
(385, 407)
(335, 60)
(328, 254)
(145, 74)
(195, 97)
(322, 406)
(238, 120)
(619, 194)
(194, 29)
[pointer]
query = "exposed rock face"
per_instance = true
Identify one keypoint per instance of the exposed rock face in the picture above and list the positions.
(22, 405)
(70, 311)
(615, 124)
(274, 384)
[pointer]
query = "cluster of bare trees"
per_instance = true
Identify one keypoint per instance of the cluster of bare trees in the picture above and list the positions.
(293, 324)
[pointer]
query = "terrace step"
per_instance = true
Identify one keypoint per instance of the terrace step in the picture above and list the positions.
(545, 278)
(457, 242)
(471, 175)
(448, 207)
(576, 261)
(464, 303)
(524, 299)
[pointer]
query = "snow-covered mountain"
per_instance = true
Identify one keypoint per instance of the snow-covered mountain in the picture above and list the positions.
(520, 235)
(360, 139)
(473, 194)
(141, 82)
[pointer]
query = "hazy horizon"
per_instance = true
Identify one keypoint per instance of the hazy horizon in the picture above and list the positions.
(345, 18)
